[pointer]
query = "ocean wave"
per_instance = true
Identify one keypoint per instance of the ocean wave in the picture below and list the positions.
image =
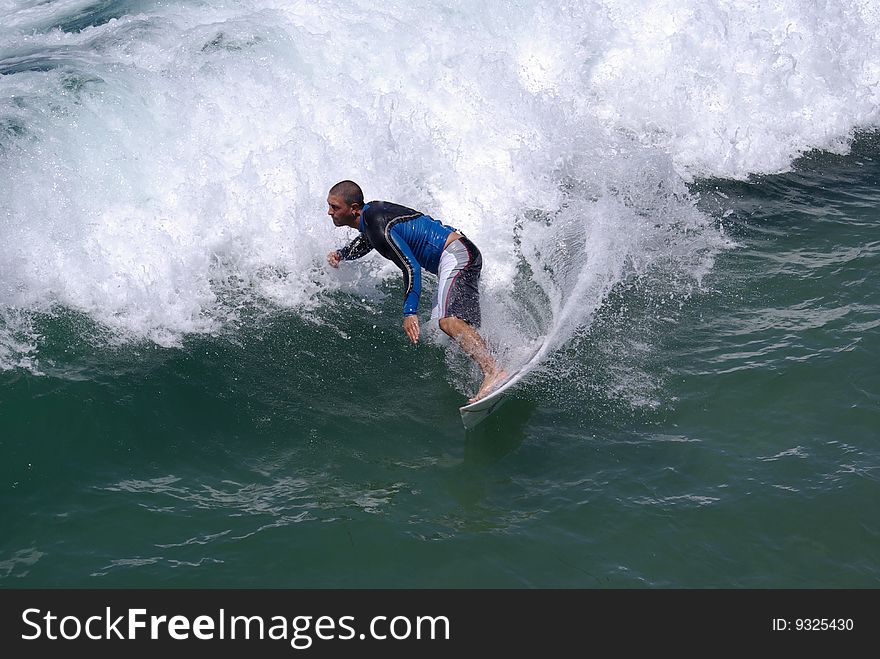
(167, 163)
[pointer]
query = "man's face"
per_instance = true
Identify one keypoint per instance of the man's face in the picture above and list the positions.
(343, 214)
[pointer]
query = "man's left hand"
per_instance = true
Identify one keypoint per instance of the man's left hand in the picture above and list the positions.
(411, 327)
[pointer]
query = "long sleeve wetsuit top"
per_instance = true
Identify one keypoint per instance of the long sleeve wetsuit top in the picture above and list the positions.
(408, 237)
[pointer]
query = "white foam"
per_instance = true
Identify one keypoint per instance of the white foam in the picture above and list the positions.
(158, 164)
(739, 87)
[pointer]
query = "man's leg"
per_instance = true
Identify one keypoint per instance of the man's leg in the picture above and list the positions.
(475, 347)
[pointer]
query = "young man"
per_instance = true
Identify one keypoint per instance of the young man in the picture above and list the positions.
(413, 241)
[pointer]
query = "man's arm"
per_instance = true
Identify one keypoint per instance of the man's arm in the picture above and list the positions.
(412, 273)
(412, 288)
(356, 249)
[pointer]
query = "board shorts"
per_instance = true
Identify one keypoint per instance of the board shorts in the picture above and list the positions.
(458, 281)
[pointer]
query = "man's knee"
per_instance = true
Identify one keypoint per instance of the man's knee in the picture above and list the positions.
(451, 325)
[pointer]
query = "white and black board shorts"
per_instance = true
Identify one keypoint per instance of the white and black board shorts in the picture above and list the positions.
(458, 281)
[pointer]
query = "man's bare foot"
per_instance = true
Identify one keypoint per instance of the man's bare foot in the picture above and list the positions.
(490, 383)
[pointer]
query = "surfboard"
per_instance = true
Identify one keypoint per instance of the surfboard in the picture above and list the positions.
(474, 413)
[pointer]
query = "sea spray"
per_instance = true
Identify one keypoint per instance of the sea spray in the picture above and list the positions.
(165, 164)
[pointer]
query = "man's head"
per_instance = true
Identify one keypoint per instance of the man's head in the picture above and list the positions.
(345, 201)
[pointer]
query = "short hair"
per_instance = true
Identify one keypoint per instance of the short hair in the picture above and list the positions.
(349, 191)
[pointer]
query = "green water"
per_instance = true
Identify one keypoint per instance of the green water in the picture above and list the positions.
(721, 438)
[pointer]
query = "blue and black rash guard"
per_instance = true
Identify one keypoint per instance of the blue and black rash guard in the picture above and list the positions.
(408, 237)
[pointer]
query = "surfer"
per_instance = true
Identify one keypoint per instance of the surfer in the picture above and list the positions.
(413, 240)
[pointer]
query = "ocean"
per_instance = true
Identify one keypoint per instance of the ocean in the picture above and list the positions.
(679, 197)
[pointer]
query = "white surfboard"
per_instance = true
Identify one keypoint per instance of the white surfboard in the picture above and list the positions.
(473, 413)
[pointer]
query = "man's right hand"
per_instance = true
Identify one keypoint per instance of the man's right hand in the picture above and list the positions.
(333, 258)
